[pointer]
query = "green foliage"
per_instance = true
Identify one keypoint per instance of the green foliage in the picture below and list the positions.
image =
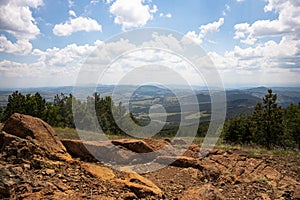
(61, 112)
(238, 131)
(1, 114)
(292, 124)
(33, 105)
(269, 125)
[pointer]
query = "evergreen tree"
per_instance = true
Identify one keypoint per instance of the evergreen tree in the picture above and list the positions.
(292, 125)
(35, 105)
(272, 120)
(16, 103)
(1, 114)
(237, 130)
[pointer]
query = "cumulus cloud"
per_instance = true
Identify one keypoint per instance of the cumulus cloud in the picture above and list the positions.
(72, 13)
(75, 25)
(16, 19)
(133, 13)
(168, 15)
(262, 58)
(62, 57)
(20, 47)
(287, 23)
(271, 55)
(205, 30)
(54, 66)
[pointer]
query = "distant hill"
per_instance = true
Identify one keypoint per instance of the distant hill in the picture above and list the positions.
(239, 101)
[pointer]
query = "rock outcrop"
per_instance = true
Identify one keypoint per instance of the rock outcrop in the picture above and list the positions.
(37, 131)
(35, 164)
(138, 146)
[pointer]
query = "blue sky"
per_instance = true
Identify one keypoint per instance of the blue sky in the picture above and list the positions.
(251, 42)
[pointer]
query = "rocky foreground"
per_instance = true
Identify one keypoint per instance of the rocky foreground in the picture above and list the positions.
(36, 164)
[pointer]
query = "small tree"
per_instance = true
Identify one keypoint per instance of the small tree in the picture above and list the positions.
(16, 103)
(237, 130)
(268, 121)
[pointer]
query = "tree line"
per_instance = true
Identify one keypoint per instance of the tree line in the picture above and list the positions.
(268, 125)
(60, 113)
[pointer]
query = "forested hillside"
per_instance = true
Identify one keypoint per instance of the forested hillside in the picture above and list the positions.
(268, 125)
(60, 112)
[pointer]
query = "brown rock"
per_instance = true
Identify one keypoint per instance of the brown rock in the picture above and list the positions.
(60, 185)
(205, 192)
(140, 185)
(103, 151)
(138, 146)
(157, 144)
(104, 173)
(75, 148)
(25, 126)
(181, 161)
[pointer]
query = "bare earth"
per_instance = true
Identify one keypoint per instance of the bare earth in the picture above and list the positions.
(31, 168)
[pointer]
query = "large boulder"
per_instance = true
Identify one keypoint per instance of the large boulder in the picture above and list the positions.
(103, 151)
(37, 131)
(138, 146)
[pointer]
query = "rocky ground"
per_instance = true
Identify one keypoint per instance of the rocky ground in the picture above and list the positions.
(36, 164)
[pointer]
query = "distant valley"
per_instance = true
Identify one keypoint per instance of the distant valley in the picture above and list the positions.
(239, 101)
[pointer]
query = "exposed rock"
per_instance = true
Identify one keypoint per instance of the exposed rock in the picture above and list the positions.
(138, 146)
(33, 166)
(156, 144)
(101, 151)
(76, 148)
(140, 185)
(104, 173)
(42, 134)
(181, 161)
(207, 192)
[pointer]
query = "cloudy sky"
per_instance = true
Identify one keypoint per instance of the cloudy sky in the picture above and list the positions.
(251, 42)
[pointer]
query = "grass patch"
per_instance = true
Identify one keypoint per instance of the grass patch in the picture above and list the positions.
(281, 152)
(71, 133)
(263, 180)
(252, 155)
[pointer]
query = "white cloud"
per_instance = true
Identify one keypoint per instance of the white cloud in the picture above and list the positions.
(106, 1)
(16, 19)
(287, 23)
(227, 9)
(94, 1)
(75, 25)
(70, 3)
(53, 66)
(270, 55)
(72, 13)
(133, 13)
(168, 15)
(265, 59)
(205, 30)
(154, 9)
(62, 57)
(21, 47)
